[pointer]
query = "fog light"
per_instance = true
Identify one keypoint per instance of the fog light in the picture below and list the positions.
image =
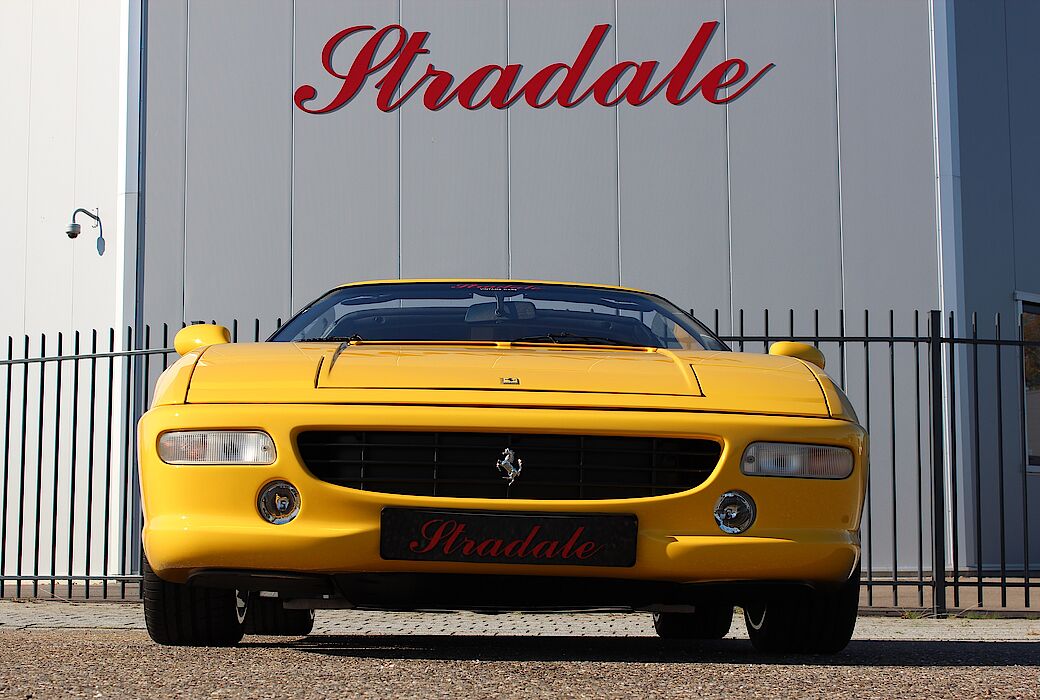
(279, 502)
(735, 512)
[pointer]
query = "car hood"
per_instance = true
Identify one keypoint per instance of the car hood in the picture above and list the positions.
(506, 375)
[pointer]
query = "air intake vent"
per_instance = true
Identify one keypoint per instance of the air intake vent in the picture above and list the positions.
(463, 465)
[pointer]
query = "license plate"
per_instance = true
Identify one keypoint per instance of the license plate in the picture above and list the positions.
(508, 538)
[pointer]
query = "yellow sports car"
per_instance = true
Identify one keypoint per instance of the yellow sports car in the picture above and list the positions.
(499, 445)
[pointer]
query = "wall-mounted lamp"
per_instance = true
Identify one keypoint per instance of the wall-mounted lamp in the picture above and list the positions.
(74, 229)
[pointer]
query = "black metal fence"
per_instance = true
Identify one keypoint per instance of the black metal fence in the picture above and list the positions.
(947, 521)
(70, 516)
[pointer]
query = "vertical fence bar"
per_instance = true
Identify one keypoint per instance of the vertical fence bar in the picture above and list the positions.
(106, 549)
(938, 476)
(920, 469)
(841, 348)
(977, 462)
(145, 391)
(56, 465)
(1000, 464)
(892, 443)
(21, 475)
(954, 491)
(91, 425)
(1024, 452)
(69, 563)
(869, 510)
(137, 513)
(256, 330)
(7, 464)
(39, 468)
(165, 344)
(124, 470)
(141, 392)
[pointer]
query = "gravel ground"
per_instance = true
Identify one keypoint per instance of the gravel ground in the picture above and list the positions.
(60, 650)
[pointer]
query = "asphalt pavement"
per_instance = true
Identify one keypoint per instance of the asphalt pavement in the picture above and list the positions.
(100, 650)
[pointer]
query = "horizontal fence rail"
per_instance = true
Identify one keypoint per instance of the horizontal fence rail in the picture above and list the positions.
(951, 498)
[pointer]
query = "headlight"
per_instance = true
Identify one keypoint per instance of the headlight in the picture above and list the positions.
(788, 459)
(216, 447)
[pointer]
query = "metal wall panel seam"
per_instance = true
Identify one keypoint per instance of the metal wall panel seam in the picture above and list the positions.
(400, 168)
(28, 159)
(936, 148)
(948, 417)
(509, 182)
(140, 389)
(292, 151)
(1011, 150)
(129, 161)
(837, 137)
(729, 182)
(184, 160)
(75, 170)
(617, 147)
(142, 154)
(945, 144)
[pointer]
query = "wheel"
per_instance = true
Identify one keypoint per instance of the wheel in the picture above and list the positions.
(705, 622)
(818, 622)
(268, 616)
(177, 614)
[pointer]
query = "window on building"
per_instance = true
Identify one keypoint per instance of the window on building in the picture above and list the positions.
(1031, 331)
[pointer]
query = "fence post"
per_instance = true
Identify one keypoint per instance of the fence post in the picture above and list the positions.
(938, 463)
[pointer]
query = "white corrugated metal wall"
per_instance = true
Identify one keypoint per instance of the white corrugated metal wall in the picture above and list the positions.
(813, 190)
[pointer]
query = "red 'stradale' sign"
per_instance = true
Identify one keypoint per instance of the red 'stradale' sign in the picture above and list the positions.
(394, 49)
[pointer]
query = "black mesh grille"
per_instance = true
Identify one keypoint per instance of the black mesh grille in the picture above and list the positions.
(462, 465)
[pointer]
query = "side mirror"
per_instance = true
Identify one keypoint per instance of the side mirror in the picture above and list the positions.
(799, 350)
(199, 335)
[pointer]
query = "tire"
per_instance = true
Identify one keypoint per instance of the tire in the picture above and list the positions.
(705, 622)
(818, 622)
(177, 614)
(267, 616)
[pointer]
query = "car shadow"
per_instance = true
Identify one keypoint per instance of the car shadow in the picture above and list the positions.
(654, 650)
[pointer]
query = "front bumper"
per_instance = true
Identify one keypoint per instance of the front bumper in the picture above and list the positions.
(200, 518)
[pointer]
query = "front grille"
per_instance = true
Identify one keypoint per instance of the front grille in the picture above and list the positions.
(462, 465)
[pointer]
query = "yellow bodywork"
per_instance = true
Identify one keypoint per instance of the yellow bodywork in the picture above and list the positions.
(205, 517)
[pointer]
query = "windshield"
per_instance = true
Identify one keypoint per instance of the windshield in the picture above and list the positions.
(497, 312)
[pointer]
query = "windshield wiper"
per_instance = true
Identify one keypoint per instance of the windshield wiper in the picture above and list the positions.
(565, 338)
(332, 339)
(344, 344)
